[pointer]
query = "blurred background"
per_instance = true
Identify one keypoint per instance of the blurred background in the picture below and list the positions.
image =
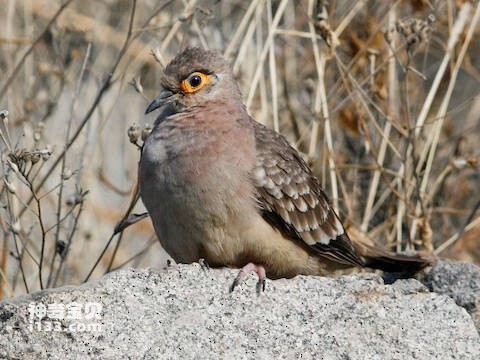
(381, 98)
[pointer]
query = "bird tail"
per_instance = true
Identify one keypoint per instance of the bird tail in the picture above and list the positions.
(406, 265)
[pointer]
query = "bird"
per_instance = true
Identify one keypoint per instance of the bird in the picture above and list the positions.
(223, 189)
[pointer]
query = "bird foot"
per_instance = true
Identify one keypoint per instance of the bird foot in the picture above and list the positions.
(204, 264)
(258, 269)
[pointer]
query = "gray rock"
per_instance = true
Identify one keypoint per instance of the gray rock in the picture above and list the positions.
(187, 313)
(460, 281)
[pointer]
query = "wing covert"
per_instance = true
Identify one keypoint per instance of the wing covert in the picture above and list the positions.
(292, 200)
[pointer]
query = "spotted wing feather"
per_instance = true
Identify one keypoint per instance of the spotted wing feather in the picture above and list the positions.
(291, 199)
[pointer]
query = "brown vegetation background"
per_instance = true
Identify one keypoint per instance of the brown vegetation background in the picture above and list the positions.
(381, 97)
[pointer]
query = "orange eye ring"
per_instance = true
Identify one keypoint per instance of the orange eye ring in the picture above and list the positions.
(195, 81)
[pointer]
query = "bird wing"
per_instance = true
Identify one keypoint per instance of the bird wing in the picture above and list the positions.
(291, 199)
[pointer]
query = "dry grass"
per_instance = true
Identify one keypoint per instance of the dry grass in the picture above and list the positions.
(381, 97)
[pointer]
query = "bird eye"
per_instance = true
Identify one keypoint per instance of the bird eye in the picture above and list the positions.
(195, 81)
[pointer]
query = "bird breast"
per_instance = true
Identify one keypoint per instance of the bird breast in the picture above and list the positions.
(194, 184)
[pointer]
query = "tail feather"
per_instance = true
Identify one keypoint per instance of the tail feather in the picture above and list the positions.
(376, 258)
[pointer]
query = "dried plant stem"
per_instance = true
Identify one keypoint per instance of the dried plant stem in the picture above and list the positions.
(176, 26)
(5, 290)
(366, 102)
(442, 111)
(452, 42)
(100, 256)
(150, 243)
(453, 39)
(321, 106)
(232, 45)
(118, 229)
(39, 38)
(242, 52)
(43, 235)
(273, 72)
(4, 257)
(296, 33)
(348, 18)
(469, 225)
(392, 96)
(432, 141)
(114, 254)
(69, 242)
(103, 89)
(17, 250)
(450, 241)
(64, 159)
(262, 86)
(363, 100)
(271, 33)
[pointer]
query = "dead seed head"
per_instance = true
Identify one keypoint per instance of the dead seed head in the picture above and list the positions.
(146, 131)
(18, 158)
(133, 134)
(61, 248)
(46, 153)
(323, 27)
(4, 114)
(414, 30)
(76, 198)
(67, 174)
(35, 158)
(73, 200)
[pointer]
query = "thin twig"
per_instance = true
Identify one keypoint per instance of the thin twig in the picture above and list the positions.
(64, 159)
(240, 28)
(392, 97)
(39, 38)
(432, 141)
(469, 225)
(321, 106)
(152, 241)
(105, 86)
(271, 33)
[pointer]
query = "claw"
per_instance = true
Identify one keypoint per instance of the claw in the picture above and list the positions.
(235, 283)
(260, 286)
(259, 269)
(203, 264)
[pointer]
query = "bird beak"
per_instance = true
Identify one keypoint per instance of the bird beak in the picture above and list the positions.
(160, 100)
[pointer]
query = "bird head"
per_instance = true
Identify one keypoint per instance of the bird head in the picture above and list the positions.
(194, 77)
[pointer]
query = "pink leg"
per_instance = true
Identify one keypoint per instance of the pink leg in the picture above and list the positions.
(259, 269)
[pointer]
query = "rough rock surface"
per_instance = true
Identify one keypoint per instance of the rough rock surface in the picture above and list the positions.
(187, 313)
(460, 281)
